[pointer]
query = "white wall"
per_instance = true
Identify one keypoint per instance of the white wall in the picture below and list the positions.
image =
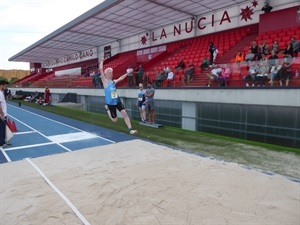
(134, 42)
(71, 72)
(250, 96)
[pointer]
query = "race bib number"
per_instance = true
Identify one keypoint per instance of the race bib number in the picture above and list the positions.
(114, 95)
(140, 99)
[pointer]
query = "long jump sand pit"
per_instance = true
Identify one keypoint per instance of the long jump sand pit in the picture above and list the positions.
(140, 183)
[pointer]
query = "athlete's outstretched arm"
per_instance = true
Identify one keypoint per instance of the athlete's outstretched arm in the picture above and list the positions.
(102, 75)
(120, 78)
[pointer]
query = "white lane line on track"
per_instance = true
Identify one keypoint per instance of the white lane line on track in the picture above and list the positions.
(62, 138)
(29, 146)
(56, 122)
(5, 155)
(41, 134)
(70, 204)
(25, 132)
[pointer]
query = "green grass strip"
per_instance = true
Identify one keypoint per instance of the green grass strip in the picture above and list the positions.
(171, 136)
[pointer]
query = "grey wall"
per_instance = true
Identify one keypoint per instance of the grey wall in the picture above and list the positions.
(264, 115)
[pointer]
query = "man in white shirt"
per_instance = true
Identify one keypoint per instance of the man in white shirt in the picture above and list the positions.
(166, 70)
(3, 111)
(169, 78)
(214, 75)
(129, 72)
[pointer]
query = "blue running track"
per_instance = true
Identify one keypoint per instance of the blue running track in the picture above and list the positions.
(41, 133)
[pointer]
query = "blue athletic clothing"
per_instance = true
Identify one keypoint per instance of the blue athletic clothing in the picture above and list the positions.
(141, 98)
(111, 95)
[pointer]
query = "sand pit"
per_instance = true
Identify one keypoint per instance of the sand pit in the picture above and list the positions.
(140, 183)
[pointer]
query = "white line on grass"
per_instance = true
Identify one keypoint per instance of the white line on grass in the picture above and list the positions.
(70, 204)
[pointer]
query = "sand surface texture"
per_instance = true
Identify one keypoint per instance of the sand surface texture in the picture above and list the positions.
(140, 183)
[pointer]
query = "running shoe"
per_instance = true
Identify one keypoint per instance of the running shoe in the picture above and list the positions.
(133, 131)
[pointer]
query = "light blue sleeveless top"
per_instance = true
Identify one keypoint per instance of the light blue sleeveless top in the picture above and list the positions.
(111, 95)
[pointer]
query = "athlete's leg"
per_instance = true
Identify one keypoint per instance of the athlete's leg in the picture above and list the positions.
(114, 119)
(144, 112)
(127, 122)
(122, 110)
(126, 118)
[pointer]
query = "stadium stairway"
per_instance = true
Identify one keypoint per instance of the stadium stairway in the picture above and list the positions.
(200, 78)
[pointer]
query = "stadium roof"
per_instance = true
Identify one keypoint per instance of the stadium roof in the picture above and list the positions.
(115, 20)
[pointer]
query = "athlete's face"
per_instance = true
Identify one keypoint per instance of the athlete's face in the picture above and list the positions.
(109, 73)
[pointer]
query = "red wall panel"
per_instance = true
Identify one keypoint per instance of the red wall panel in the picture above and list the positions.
(280, 19)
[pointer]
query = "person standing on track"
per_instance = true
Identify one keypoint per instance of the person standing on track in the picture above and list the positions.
(112, 99)
(141, 102)
(149, 94)
(47, 95)
(3, 112)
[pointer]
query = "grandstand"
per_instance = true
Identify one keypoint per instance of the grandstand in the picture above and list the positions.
(228, 42)
(159, 33)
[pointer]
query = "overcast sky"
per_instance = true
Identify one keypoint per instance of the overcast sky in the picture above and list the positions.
(24, 22)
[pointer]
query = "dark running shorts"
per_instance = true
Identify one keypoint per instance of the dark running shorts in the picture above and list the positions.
(113, 109)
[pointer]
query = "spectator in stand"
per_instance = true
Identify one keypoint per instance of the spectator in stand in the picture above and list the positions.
(275, 47)
(249, 56)
(180, 65)
(263, 71)
(169, 79)
(95, 78)
(135, 74)
(92, 73)
(263, 49)
(213, 51)
(239, 58)
(160, 77)
(267, 8)
(215, 55)
(204, 64)
(166, 70)
(296, 47)
(253, 71)
(275, 72)
(140, 75)
(189, 73)
(146, 78)
(47, 95)
(223, 79)
(214, 75)
(272, 59)
(254, 49)
(87, 74)
(288, 51)
(129, 72)
(286, 74)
